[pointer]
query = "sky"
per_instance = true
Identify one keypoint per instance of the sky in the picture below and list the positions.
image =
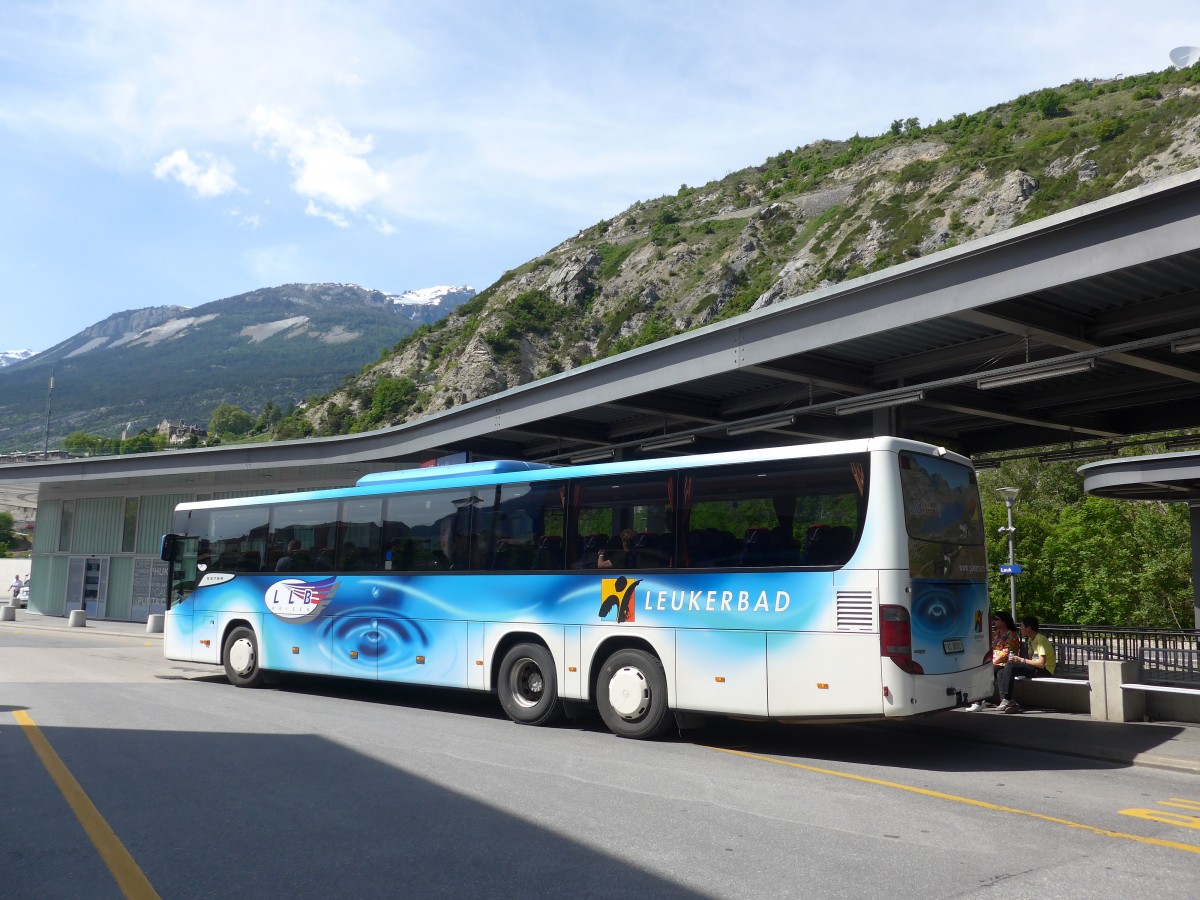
(180, 152)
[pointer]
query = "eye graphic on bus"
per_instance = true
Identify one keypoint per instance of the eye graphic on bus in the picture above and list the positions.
(619, 593)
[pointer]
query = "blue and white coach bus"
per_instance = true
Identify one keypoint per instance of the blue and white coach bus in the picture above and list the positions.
(826, 581)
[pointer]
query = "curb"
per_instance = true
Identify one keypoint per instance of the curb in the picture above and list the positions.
(1106, 753)
(90, 628)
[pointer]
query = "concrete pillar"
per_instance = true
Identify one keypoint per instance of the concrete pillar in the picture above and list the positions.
(77, 619)
(8, 613)
(1108, 702)
(154, 623)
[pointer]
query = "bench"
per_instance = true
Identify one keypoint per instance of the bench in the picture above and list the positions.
(1053, 693)
(1158, 702)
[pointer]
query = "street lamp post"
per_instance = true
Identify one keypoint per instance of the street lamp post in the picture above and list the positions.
(1010, 497)
(49, 395)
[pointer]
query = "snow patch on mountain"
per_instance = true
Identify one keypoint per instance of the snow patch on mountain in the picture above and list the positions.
(428, 296)
(8, 357)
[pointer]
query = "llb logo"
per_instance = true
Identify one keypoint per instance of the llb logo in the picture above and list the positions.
(297, 600)
(618, 593)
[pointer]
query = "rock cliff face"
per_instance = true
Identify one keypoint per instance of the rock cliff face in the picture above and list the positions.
(808, 217)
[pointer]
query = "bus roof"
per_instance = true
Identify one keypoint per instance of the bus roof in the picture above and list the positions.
(508, 471)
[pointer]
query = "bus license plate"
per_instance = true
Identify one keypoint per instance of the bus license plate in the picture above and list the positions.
(952, 646)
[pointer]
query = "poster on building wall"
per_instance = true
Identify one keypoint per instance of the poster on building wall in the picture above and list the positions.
(149, 588)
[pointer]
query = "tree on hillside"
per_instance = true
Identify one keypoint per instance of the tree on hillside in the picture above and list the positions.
(86, 444)
(1050, 103)
(270, 416)
(144, 442)
(230, 419)
(6, 527)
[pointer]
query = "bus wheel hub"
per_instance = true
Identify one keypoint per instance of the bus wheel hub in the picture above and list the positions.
(241, 657)
(629, 693)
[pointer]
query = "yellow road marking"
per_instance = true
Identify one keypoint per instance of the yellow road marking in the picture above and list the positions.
(983, 804)
(130, 879)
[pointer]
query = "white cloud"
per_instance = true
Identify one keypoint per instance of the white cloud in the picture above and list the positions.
(383, 226)
(335, 217)
(252, 220)
(327, 162)
(205, 176)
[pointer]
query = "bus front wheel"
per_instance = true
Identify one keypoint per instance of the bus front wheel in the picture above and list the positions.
(528, 688)
(241, 659)
(631, 695)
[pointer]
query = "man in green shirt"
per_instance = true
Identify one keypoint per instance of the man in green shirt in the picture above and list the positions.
(1039, 662)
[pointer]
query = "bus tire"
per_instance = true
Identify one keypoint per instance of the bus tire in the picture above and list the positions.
(241, 659)
(631, 695)
(527, 687)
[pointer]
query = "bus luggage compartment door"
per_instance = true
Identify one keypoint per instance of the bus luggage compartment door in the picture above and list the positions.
(816, 674)
(721, 671)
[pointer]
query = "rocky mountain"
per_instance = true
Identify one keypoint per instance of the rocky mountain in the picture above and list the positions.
(819, 214)
(170, 362)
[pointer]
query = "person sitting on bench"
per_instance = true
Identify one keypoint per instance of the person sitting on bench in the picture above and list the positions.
(1039, 662)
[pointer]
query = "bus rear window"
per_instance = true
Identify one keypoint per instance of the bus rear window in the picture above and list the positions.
(941, 500)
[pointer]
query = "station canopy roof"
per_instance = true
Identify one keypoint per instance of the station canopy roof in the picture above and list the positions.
(1081, 327)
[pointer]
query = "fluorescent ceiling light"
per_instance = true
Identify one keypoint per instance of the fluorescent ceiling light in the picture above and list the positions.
(663, 443)
(781, 422)
(851, 407)
(1186, 345)
(1036, 374)
(1077, 453)
(595, 456)
(1185, 442)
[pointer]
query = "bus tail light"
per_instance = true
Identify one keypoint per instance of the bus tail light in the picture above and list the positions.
(895, 638)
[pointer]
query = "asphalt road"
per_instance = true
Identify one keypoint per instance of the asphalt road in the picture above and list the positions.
(123, 774)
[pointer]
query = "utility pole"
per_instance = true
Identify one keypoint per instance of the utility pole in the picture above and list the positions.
(49, 395)
(1010, 497)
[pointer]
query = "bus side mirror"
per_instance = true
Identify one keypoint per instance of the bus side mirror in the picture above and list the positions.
(168, 547)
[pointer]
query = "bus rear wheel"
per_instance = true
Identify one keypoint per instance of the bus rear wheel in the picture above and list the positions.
(528, 688)
(240, 656)
(631, 695)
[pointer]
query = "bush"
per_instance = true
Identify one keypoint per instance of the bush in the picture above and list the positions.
(1050, 103)
(1107, 129)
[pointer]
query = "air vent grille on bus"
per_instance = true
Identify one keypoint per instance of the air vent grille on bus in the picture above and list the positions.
(855, 611)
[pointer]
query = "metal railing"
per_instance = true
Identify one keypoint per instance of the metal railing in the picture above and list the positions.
(1164, 656)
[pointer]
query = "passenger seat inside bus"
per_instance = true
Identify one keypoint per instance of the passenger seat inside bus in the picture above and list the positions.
(769, 547)
(549, 552)
(827, 545)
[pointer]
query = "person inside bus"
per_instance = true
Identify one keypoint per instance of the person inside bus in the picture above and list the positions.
(623, 558)
(288, 560)
(1006, 642)
(1039, 662)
